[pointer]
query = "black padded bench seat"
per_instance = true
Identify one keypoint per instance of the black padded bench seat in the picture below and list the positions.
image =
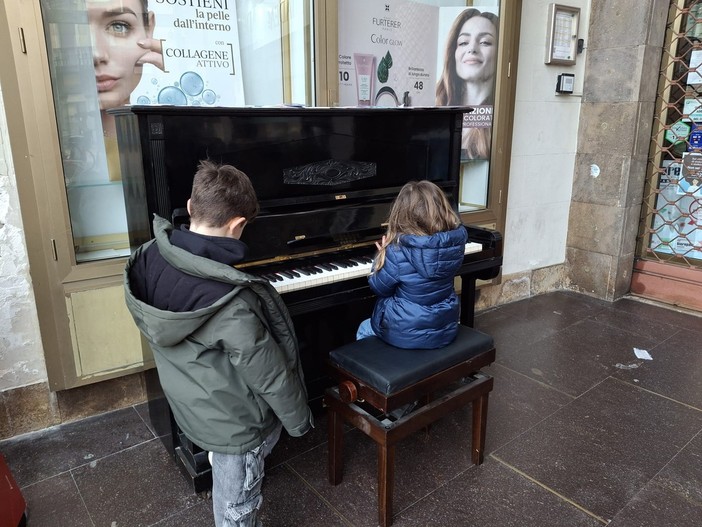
(371, 372)
(389, 369)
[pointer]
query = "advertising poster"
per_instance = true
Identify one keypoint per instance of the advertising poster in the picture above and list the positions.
(171, 52)
(387, 53)
(466, 70)
(200, 63)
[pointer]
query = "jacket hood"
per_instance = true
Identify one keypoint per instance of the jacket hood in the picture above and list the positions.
(167, 328)
(438, 255)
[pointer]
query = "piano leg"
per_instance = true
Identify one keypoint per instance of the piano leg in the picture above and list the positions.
(189, 458)
(468, 300)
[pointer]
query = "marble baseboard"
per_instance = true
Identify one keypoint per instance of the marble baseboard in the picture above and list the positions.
(35, 407)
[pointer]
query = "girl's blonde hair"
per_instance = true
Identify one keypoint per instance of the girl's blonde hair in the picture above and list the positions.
(421, 208)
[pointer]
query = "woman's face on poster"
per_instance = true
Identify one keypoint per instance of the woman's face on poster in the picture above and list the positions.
(115, 28)
(476, 55)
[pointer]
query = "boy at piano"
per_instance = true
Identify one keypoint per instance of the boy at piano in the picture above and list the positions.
(413, 272)
(223, 341)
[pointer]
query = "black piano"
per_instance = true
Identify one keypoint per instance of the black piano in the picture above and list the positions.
(325, 179)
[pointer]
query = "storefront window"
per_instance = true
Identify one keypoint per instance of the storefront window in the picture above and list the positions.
(403, 53)
(671, 222)
(108, 53)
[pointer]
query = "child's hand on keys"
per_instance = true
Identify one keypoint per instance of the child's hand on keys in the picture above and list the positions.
(381, 244)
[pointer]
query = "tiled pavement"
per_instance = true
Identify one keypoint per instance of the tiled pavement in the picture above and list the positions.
(580, 433)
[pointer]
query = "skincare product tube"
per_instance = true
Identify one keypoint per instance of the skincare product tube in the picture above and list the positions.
(365, 75)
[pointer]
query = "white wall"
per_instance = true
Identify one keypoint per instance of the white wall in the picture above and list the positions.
(21, 354)
(543, 147)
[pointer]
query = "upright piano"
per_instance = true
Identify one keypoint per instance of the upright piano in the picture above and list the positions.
(325, 179)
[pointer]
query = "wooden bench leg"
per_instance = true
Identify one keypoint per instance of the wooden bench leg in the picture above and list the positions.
(386, 478)
(335, 430)
(480, 408)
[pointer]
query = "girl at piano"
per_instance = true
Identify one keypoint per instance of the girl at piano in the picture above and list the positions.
(413, 271)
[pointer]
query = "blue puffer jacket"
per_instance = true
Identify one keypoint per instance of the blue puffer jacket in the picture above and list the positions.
(417, 307)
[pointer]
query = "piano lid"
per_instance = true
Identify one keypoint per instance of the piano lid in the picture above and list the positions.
(324, 176)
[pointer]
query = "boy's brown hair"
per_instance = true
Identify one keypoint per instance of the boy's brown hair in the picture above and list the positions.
(220, 193)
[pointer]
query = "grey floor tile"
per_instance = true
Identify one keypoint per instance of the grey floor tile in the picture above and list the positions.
(601, 449)
(143, 411)
(136, 487)
(33, 457)
(289, 447)
(492, 495)
(287, 501)
(674, 371)
(673, 497)
(199, 515)
(602, 439)
(554, 311)
(423, 461)
(659, 313)
(55, 501)
(516, 404)
(512, 334)
(646, 324)
(576, 358)
(422, 464)
(517, 326)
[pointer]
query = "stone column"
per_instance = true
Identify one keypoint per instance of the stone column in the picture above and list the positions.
(623, 55)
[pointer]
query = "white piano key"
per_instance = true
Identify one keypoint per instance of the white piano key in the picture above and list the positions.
(303, 281)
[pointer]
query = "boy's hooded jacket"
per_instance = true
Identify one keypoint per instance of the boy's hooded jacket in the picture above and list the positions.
(417, 307)
(223, 342)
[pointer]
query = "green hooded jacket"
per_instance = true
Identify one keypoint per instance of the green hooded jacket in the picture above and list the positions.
(229, 371)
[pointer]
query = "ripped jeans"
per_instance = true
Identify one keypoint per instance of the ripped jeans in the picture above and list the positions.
(236, 484)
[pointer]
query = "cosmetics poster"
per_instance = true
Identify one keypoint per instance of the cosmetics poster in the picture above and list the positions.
(387, 53)
(466, 72)
(201, 64)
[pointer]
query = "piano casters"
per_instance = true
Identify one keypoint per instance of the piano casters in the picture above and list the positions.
(375, 380)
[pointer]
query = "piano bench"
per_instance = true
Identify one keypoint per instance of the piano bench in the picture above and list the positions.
(376, 378)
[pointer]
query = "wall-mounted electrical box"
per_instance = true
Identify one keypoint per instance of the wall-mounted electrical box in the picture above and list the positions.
(565, 83)
(562, 34)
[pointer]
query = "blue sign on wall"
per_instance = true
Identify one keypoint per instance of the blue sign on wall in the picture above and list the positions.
(696, 136)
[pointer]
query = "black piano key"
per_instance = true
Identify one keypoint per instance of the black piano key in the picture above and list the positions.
(286, 274)
(294, 273)
(324, 266)
(303, 271)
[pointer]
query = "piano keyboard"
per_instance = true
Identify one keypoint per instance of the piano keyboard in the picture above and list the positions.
(319, 273)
